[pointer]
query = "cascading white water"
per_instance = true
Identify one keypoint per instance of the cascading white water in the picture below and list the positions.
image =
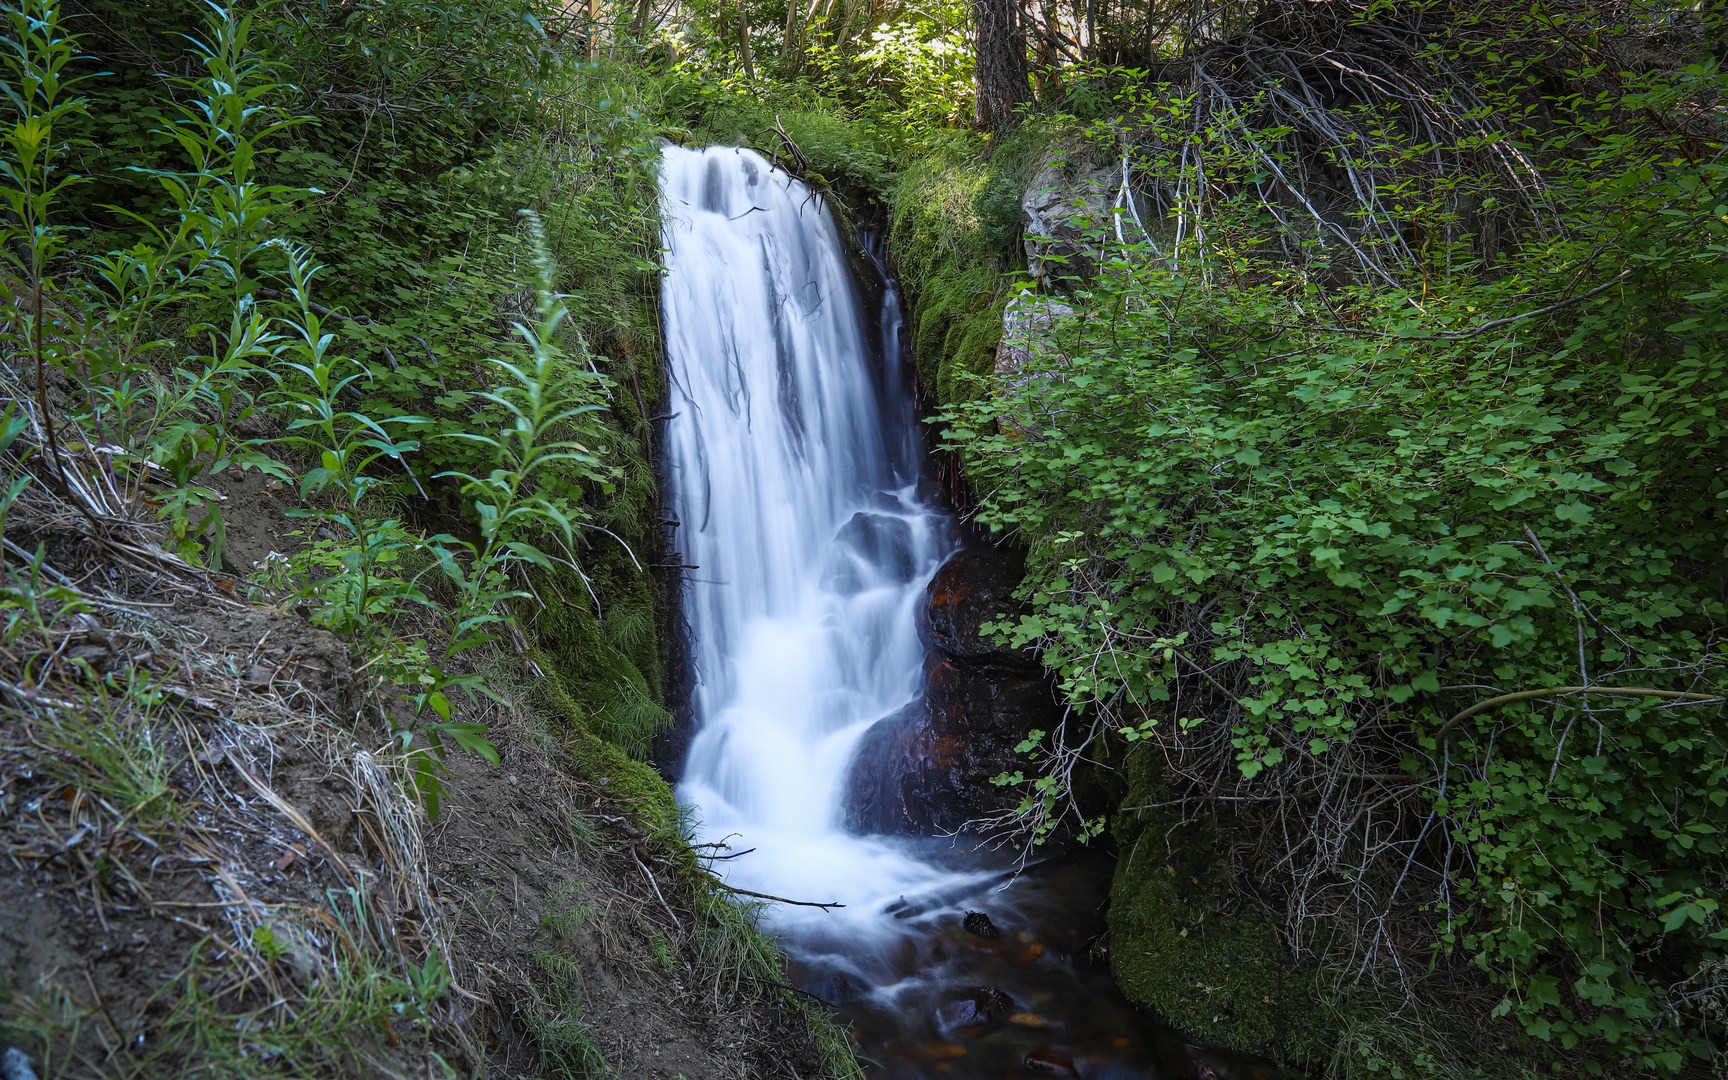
(792, 465)
(792, 472)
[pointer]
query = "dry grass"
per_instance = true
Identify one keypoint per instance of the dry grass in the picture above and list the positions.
(151, 724)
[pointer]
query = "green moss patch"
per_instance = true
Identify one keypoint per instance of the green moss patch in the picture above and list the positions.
(955, 233)
(1184, 946)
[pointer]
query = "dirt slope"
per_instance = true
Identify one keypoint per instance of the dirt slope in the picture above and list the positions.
(211, 864)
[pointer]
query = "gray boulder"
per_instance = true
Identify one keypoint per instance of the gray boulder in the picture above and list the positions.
(1067, 207)
(1026, 324)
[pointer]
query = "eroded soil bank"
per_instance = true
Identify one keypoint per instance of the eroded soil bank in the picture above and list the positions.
(274, 902)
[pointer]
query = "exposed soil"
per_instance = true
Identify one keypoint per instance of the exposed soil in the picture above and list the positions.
(256, 521)
(528, 888)
(111, 904)
(284, 851)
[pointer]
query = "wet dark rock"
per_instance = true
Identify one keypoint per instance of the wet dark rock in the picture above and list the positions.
(994, 1002)
(872, 549)
(1049, 1061)
(978, 1009)
(926, 770)
(1215, 1063)
(980, 923)
(829, 983)
(955, 1015)
(974, 587)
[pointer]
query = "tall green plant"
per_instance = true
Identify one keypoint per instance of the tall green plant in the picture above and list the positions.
(176, 425)
(346, 574)
(221, 215)
(516, 507)
(39, 94)
(542, 399)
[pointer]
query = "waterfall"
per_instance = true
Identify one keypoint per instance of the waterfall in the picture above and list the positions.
(792, 465)
(792, 459)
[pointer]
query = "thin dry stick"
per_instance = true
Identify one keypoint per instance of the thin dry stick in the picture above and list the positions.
(655, 885)
(1493, 324)
(777, 899)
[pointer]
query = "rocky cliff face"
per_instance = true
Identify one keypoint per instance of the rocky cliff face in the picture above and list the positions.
(1071, 198)
(1071, 201)
(927, 769)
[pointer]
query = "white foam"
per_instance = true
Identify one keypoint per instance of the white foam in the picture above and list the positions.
(800, 639)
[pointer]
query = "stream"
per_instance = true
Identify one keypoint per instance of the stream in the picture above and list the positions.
(794, 465)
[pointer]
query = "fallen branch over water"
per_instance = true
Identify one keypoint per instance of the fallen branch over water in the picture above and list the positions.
(779, 899)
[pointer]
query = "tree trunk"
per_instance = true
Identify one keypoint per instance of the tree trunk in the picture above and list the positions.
(744, 43)
(849, 15)
(1001, 54)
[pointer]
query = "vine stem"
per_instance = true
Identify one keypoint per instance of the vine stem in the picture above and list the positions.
(1526, 695)
(38, 300)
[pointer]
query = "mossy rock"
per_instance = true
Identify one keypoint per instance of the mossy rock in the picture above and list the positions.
(956, 330)
(598, 663)
(955, 231)
(1183, 945)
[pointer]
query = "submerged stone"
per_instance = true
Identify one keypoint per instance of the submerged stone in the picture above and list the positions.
(984, 1006)
(1050, 1061)
(871, 550)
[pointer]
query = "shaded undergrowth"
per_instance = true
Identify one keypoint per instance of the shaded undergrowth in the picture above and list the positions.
(311, 432)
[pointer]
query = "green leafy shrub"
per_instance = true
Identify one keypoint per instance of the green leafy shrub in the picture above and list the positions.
(1450, 550)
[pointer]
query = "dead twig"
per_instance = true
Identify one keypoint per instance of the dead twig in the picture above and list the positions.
(1447, 728)
(736, 891)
